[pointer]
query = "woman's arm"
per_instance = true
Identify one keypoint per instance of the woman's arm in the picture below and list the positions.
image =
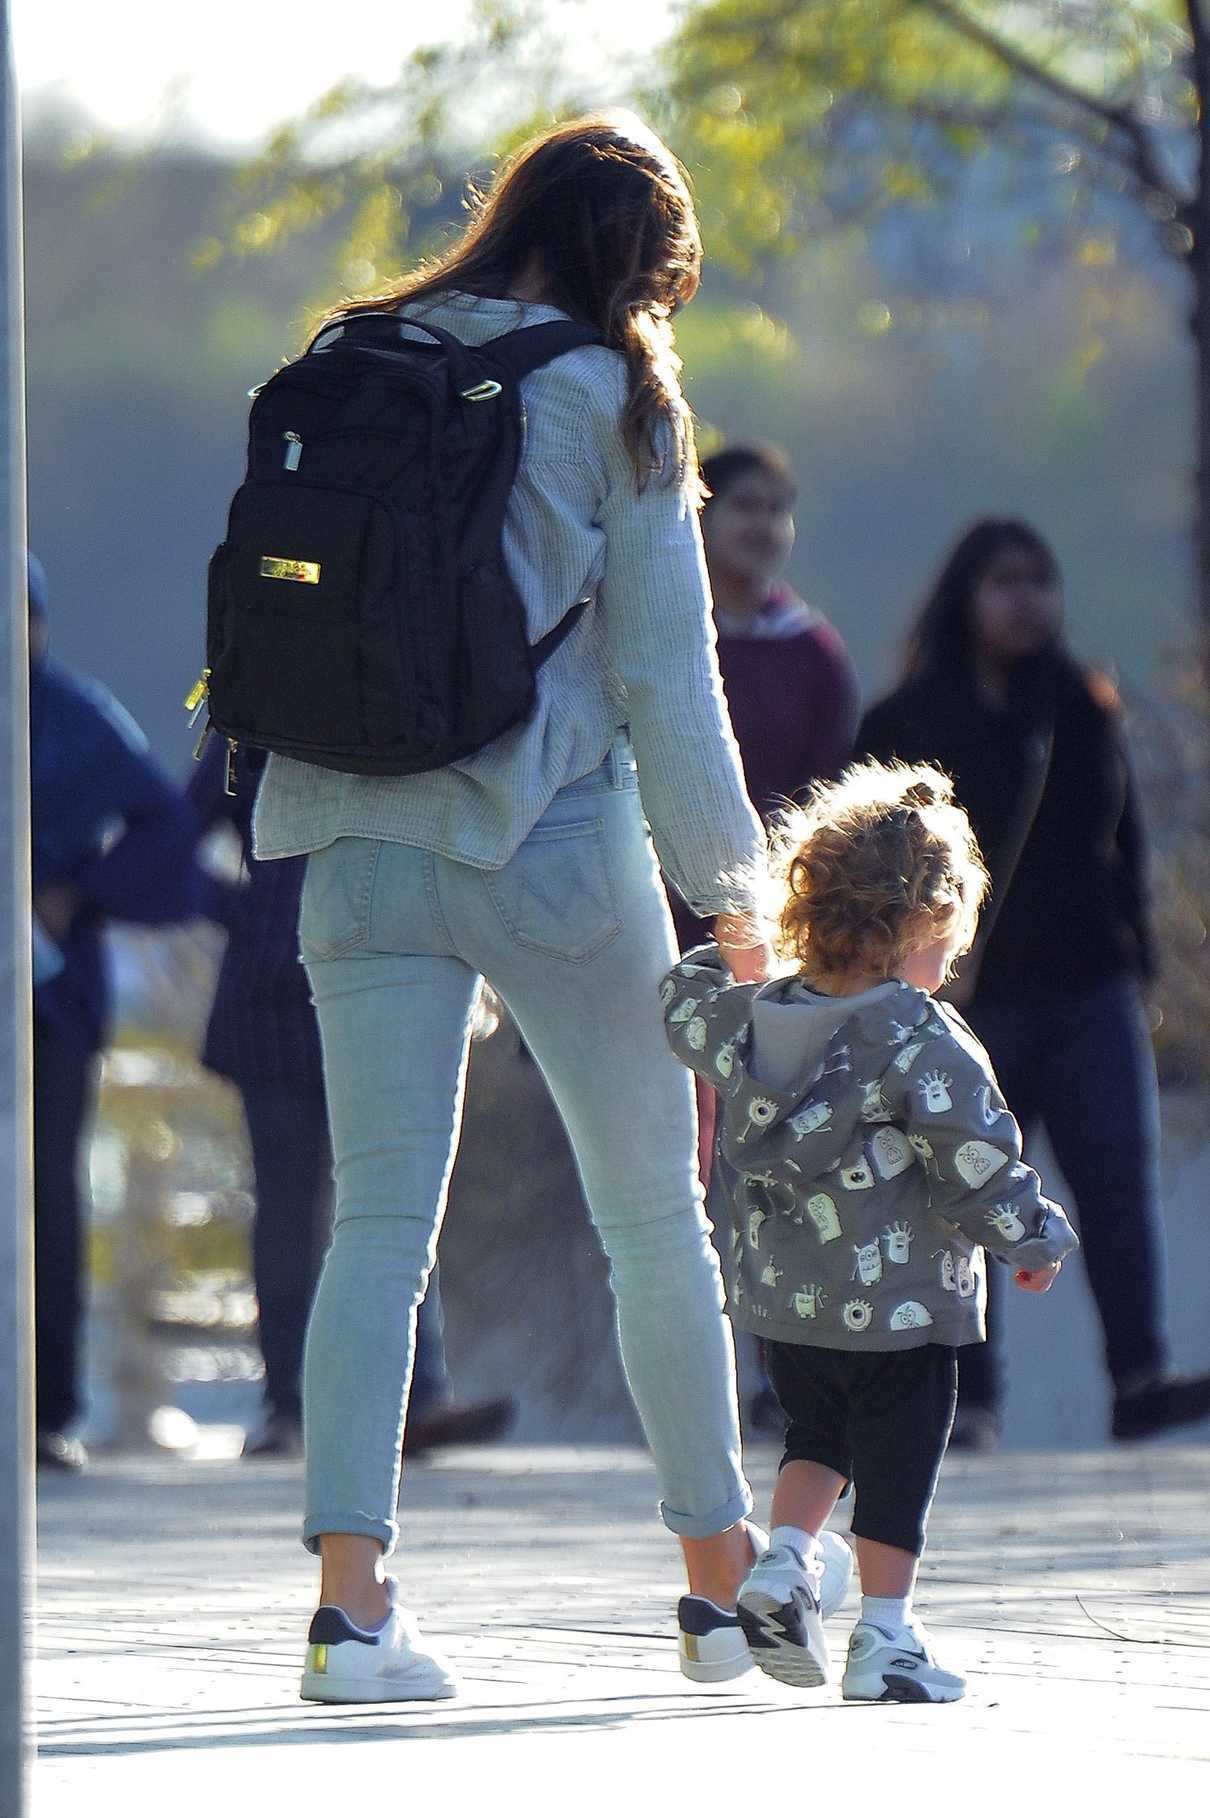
(655, 609)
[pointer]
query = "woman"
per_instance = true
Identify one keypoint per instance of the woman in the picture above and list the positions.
(529, 863)
(1035, 744)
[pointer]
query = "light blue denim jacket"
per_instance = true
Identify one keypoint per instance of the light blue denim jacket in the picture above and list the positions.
(642, 656)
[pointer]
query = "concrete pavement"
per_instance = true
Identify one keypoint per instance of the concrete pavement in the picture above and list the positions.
(1073, 1587)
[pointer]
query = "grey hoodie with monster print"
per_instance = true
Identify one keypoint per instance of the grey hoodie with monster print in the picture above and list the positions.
(866, 1154)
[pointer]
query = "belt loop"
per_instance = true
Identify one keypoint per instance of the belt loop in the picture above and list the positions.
(621, 761)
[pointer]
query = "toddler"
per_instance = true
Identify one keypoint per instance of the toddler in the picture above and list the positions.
(867, 1157)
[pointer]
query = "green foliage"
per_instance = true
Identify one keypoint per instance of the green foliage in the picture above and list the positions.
(388, 162)
(788, 107)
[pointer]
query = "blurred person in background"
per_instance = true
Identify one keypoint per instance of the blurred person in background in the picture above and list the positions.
(791, 688)
(262, 1036)
(112, 838)
(1035, 743)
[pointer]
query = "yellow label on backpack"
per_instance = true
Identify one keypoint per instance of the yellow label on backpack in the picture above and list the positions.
(286, 568)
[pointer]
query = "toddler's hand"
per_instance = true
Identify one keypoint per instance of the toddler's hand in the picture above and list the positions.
(747, 957)
(1037, 1281)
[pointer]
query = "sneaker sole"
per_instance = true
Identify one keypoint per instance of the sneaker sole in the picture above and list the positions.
(901, 1688)
(779, 1642)
(321, 1688)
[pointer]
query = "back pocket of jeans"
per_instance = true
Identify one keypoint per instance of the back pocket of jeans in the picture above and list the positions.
(334, 917)
(555, 896)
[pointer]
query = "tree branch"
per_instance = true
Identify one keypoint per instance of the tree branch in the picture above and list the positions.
(1144, 158)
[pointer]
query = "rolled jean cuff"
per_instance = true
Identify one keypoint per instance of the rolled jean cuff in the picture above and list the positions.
(369, 1525)
(701, 1527)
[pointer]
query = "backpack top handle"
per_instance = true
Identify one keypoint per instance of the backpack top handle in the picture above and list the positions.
(454, 350)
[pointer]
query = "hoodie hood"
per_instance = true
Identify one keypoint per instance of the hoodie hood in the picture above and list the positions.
(794, 1075)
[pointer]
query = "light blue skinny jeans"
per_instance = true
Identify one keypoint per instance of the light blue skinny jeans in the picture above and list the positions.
(575, 935)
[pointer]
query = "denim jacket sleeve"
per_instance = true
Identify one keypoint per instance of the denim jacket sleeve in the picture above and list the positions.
(656, 609)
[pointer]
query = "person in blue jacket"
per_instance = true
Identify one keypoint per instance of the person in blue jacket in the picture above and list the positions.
(112, 839)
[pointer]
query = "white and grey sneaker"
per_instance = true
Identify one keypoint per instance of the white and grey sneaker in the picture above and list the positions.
(837, 1572)
(896, 1669)
(710, 1643)
(781, 1614)
(783, 1602)
(348, 1665)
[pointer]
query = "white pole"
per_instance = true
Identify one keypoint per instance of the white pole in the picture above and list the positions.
(16, 1165)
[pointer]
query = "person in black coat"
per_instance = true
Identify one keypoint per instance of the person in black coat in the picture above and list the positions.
(111, 838)
(1036, 746)
(263, 1036)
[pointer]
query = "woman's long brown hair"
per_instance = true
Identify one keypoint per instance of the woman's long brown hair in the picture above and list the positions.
(604, 208)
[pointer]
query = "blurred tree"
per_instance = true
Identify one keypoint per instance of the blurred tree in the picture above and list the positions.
(801, 115)
(390, 161)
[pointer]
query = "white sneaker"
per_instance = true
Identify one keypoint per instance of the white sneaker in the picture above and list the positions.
(781, 1614)
(713, 1647)
(348, 1665)
(837, 1572)
(710, 1643)
(896, 1669)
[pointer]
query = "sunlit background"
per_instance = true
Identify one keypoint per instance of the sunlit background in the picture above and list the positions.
(1004, 345)
(142, 70)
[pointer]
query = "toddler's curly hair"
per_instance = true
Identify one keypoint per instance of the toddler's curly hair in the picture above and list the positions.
(871, 868)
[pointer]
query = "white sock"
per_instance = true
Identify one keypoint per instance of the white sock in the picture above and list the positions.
(785, 1535)
(891, 1614)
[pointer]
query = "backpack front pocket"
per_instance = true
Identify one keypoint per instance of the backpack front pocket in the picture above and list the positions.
(304, 572)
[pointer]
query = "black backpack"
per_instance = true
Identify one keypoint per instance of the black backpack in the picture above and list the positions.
(359, 613)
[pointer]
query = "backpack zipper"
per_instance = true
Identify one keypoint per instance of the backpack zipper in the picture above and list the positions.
(232, 779)
(294, 448)
(195, 700)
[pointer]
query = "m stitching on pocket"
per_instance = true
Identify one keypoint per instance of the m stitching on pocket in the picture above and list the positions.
(555, 895)
(337, 892)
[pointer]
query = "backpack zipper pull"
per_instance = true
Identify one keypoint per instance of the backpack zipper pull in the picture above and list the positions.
(294, 447)
(232, 748)
(195, 700)
(203, 741)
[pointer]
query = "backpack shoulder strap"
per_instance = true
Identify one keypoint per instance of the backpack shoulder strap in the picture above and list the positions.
(525, 349)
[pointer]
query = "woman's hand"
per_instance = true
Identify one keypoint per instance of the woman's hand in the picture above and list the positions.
(749, 958)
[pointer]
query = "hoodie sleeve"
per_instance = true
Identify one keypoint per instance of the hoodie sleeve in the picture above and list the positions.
(705, 1015)
(969, 1144)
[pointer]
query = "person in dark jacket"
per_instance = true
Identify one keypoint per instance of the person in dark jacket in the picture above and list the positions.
(112, 839)
(263, 1036)
(1035, 744)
